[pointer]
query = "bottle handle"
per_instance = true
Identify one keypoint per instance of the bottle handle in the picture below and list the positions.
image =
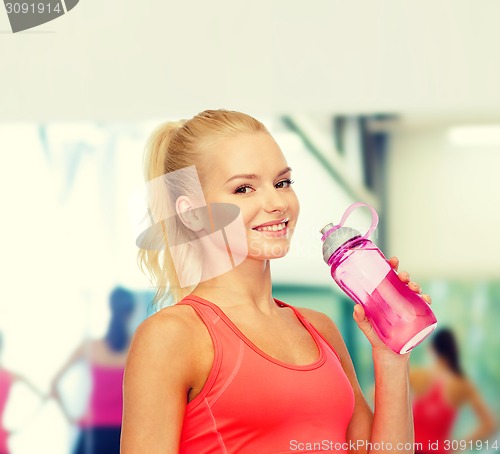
(348, 212)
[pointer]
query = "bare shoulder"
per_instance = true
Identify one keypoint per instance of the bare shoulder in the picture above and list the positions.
(162, 367)
(173, 325)
(420, 373)
(420, 379)
(467, 387)
(84, 350)
(165, 341)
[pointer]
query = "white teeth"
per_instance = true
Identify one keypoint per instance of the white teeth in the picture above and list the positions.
(272, 228)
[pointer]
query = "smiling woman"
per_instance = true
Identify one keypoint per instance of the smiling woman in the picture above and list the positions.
(228, 368)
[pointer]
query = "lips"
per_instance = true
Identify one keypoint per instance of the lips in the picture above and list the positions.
(273, 226)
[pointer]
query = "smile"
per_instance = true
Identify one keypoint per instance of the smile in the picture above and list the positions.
(272, 228)
(278, 228)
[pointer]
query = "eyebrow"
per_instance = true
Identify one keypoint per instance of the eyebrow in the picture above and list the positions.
(253, 176)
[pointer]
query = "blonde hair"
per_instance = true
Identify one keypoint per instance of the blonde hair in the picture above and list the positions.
(171, 147)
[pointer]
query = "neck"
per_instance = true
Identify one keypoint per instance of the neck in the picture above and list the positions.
(443, 367)
(247, 285)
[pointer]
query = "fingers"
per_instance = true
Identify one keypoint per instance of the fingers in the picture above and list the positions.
(362, 321)
(364, 324)
(427, 298)
(359, 313)
(405, 277)
(415, 287)
(394, 262)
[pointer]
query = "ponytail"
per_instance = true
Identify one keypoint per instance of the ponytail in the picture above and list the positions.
(156, 149)
(158, 261)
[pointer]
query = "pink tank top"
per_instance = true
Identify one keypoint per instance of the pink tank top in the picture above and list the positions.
(106, 399)
(433, 419)
(6, 381)
(252, 403)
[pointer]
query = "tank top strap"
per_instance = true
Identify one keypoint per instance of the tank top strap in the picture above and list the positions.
(228, 351)
(210, 319)
(206, 313)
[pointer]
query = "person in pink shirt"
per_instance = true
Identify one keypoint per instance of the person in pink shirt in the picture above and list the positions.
(100, 425)
(7, 379)
(440, 391)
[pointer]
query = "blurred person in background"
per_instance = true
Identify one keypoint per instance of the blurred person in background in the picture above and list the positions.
(7, 379)
(440, 391)
(101, 422)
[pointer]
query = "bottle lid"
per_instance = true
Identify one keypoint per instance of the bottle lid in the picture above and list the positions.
(334, 236)
(336, 239)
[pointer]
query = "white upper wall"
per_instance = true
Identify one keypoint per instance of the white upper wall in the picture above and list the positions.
(134, 60)
(140, 60)
(444, 205)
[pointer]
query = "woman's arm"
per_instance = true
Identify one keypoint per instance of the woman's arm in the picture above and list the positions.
(158, 376)
(390, 428)
(77, 355)
(487, 424)
(22, 379)
(392, 423)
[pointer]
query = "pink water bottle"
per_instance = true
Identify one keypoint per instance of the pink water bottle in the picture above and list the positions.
(401, 317)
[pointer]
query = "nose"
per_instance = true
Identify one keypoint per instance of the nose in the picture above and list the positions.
(275, 202)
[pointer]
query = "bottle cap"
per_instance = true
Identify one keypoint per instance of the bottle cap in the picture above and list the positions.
(336, 239)
(335, 236)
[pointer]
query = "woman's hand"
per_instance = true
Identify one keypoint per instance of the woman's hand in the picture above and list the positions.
(405, 277)
(364, 324)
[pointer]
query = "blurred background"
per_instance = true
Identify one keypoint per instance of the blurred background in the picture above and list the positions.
(392, 103)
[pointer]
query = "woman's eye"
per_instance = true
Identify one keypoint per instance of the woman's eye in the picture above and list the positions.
(284, 183)
(242, 189)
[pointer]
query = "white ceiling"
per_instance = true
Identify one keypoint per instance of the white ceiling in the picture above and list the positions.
(129, 60)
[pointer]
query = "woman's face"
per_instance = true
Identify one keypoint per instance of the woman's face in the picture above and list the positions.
(250, 171)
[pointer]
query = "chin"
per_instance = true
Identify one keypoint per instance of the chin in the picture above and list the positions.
(268, 251)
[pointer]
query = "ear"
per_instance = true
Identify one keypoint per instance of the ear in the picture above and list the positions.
(191, 217)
